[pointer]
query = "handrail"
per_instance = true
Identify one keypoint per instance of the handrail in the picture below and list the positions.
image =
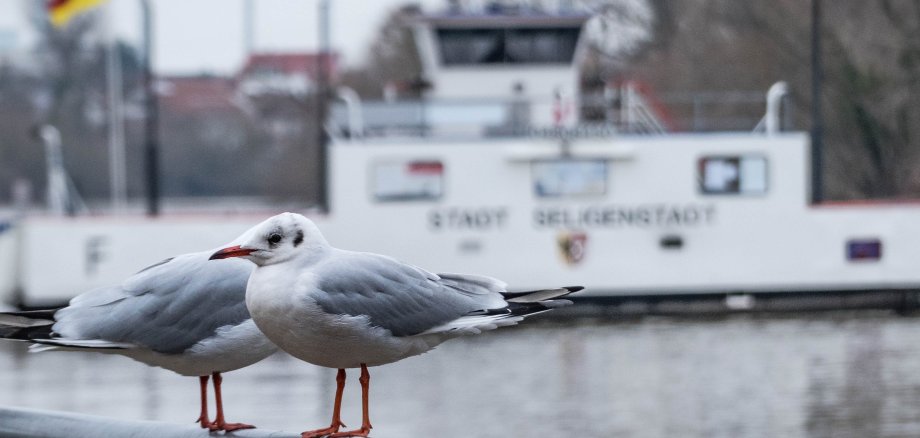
(774, 104)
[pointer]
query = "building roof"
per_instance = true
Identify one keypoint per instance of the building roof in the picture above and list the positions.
(193, 94)
(290, 63)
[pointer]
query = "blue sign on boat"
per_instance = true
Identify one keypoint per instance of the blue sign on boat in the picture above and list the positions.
(864, 249)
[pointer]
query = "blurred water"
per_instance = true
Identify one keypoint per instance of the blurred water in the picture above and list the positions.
(808, 375)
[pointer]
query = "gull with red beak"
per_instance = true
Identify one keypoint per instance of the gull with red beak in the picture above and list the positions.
(343, 309)
(185, 314)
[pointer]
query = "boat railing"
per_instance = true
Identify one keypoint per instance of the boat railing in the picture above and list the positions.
(628, 108)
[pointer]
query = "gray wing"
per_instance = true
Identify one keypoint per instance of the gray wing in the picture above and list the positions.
(401, 298)
(167, 307)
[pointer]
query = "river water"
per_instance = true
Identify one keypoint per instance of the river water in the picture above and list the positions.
(803, 375)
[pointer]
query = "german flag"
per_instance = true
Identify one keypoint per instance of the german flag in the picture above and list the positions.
(62, 11)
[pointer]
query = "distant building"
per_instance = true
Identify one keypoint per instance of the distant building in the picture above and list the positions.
(270, 92)
(210, 102)
(284, 73)
(193, 94)
(272, 88)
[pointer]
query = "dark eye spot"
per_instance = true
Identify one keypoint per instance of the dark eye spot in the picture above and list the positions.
(274, 238)
(298, 239)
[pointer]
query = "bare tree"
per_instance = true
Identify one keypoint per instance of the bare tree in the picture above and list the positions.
(872, 71)
(64, 87)
(393, 59)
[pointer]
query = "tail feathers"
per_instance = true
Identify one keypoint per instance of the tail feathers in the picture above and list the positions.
(475, 324)
(536, 296)
(32, 318)
(533, 302)
(520, 305)
(528, 309)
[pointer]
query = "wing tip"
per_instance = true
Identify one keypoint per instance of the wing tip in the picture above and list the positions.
(554, 304)
(32, 318)
(539, 296)
(88, 344)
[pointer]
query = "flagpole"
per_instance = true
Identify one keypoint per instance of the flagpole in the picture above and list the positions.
(322, 98)
(117, 172)
(151, 149)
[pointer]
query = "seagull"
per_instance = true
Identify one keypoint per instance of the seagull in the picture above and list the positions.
(184, 314)
(343, 309)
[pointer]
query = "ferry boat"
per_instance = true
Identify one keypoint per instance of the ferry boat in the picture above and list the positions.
(493, 173)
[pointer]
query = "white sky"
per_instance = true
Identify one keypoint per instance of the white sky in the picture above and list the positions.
(194, 36)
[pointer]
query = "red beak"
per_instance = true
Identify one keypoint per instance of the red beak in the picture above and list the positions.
(231, 251)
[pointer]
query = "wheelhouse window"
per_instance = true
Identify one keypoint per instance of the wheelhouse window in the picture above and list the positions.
(508, 46)
(411, 180)
(569, 177)
(725, 175)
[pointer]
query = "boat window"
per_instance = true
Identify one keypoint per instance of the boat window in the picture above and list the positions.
(569, 177)
(507, 46)
(720, 175)
(410, 180)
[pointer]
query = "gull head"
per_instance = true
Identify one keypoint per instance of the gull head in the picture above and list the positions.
(275, 240)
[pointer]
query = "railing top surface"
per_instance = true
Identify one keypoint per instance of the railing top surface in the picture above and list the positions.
(33, 423)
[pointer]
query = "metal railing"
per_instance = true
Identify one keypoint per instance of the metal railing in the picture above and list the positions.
(34, 423)
(629, 108)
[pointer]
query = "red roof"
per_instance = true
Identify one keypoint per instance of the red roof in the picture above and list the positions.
(289, 63)
(196, 93)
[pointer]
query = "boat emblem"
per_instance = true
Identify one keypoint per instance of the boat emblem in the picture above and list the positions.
(572, 246)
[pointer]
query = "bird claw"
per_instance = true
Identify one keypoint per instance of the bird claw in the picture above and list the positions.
(362, 432)
(318, 433)
(229, 427)
(205, 423)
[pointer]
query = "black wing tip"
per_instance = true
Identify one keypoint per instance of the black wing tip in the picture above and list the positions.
(34, 314)
(27, 319)
(573, 289)
(31, 334)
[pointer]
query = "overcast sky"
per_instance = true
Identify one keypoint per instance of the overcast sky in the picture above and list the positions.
(194, 36)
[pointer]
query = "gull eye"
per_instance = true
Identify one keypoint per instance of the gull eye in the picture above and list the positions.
(274, 238)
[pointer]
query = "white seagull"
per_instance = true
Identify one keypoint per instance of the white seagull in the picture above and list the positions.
(185, 314)
(344, 309)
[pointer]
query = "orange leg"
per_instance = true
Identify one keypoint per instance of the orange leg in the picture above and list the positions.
(203, 418)
(219, 423)
(336, 410)
(365, 417)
